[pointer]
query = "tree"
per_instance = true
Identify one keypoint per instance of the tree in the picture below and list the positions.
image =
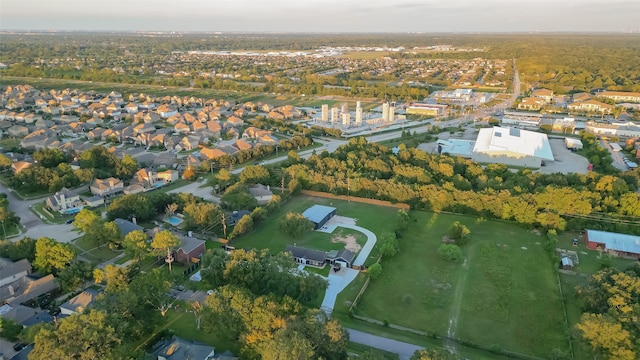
(52, 255)
(135, 244)
(450, 252)
(73, 276)
(254, 174)
(126, 167)
(295, 225)
(202, 216)
(375, 271)
(402, 221)
(224, 177)
(91, 225)
(237, 197)
(163, 242)
(117, 278)
(459, 232)
(5, 162)
(213, 267)
(21, 249)
(244, 225)
(606, 336)
(389, 245)
(83, 337)
(189, 174)
(49, 158)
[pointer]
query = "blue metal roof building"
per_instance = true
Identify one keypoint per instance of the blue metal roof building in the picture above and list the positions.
(319, 215)
(622, 244)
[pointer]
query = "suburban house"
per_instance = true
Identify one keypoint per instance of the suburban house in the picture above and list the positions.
(19, 166)
(145, 177)
(545, 94)
(531, 103)
(614, 243)
(319, 215)
(12, 271)
(127, 226)
(319, 258)
(166, 111)
(79, 303)
(306, 256)
(190, 249)
(180, 349)
(168, 176)
(262, 193)
(17, 284)
(105, 187)
(64, 202)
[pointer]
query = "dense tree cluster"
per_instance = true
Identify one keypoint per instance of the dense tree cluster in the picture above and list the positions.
(609, 324)
(262, 274)
(444, 183)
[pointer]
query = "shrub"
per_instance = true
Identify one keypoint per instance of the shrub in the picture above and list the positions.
(450, 252)
(375, 271)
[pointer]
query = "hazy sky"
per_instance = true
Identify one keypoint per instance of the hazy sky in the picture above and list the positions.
(323, 15)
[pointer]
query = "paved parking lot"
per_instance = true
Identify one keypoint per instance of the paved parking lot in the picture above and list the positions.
(566, 160)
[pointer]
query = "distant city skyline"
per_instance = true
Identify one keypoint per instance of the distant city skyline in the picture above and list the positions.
(323, 15)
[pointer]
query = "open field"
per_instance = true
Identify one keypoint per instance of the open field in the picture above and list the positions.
(507, 284)
(267, 235)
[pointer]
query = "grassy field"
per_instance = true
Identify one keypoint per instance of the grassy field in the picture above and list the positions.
(268, 235)
(507, 284)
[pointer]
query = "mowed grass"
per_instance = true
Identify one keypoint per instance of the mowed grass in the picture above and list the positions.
(505, 294)
(268, 235)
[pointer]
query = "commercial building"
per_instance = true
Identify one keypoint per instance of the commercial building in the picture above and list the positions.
(426, 109)
(511, 146)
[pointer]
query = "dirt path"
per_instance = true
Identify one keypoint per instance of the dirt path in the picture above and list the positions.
(349, 242)
(455, 308)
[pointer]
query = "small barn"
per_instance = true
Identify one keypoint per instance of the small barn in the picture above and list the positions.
(615, 243)
(319, 215)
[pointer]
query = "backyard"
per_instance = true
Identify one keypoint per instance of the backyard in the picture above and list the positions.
(268, 235)
(506, 283)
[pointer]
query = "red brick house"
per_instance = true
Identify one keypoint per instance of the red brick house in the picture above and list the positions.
(190, 249)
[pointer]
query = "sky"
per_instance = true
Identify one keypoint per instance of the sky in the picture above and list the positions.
(323, 15)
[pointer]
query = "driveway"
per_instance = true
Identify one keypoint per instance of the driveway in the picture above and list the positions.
(21, 208)
(404, 350)
(339, 281)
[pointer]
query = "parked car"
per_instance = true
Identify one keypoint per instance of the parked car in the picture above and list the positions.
(19, 346)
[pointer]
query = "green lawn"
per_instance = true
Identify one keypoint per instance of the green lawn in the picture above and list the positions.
(57, 217)
(507, 284)
(184, 326)
(268, 235)
(322, 272)
(89, 250)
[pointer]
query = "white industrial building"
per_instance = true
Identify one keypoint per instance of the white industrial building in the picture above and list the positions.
(512, 147)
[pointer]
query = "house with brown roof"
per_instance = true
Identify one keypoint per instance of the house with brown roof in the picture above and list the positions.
(531, 103)
(166, 111)
(189, 142)
(79, 303)
(181, 128)
(146, 177)
(105, 187)
(211, 153)
(545, 94)
(234, 121)
(242, 145)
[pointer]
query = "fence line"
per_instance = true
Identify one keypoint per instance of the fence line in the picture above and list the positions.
(355, 199)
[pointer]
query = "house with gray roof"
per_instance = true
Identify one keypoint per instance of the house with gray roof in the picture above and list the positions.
(180, 349)
(79, 303)
(127, 226)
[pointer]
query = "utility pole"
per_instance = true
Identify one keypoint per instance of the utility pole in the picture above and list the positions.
(224, 226)
(282, 184)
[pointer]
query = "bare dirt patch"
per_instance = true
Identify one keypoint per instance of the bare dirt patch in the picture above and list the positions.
(349, 242)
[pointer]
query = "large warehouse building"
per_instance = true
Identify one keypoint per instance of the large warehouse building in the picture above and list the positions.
(512, 147)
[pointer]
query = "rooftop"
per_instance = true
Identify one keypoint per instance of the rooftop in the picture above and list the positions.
(513, 140)
(615, 241)
(317, 213)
